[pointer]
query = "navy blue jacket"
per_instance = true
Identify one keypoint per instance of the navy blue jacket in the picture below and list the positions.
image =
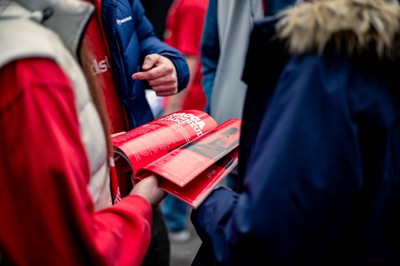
(131, 37)
(319, 159)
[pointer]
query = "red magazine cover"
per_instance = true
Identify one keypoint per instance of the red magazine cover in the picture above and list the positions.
(187, 149)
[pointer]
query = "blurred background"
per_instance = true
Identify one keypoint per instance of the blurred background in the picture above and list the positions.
(183, 253)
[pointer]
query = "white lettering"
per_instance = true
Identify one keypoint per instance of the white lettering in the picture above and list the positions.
(120, 21)
(99, 67)
(193, 121)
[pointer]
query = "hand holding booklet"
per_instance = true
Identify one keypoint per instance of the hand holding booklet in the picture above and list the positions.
(187, 150)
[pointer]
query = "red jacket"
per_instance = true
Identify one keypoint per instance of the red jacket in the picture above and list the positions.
(101, 67)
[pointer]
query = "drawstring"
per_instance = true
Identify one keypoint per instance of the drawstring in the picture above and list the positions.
(116, 195)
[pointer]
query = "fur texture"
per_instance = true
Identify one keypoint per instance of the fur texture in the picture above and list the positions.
(351, 26)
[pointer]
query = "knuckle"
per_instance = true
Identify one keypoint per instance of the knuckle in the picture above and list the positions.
(169, 68)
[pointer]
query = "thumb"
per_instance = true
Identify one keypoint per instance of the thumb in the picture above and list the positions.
(149, 62)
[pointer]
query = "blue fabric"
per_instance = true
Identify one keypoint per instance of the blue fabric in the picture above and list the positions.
(129, 31)
(273, 7)
(175, 213)
(319, 162)
(210, 50)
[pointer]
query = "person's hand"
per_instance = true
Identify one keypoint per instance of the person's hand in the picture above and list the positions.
(148, 188)
(160, 73)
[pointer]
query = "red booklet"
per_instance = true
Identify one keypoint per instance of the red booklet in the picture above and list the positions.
(187, 149)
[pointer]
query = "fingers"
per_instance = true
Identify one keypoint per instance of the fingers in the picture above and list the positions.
(154, 73)
(165, 90)
(166, 79)
(160, 73)
(148, 188)
(157, 71)
(150, 61)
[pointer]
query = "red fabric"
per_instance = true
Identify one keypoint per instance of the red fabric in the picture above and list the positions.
(101, 67)
(263, 6)
(46, 212)
(184, 29)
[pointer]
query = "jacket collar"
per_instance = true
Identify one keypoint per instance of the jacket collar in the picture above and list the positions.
(350, 26)
(67, 18)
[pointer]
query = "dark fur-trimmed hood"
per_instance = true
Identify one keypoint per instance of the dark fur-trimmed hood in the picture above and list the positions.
(352, 26)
